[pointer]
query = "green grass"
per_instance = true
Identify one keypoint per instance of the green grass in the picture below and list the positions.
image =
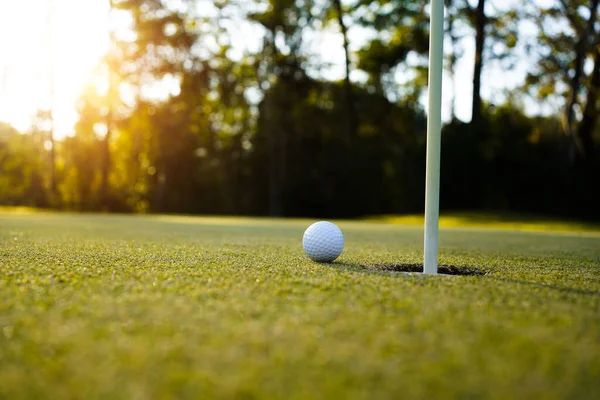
(132, 307)
(495, 220)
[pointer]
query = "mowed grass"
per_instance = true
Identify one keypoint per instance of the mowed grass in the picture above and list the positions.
(513, 221)
(133, 307)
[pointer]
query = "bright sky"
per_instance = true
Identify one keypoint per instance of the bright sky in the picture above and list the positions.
(65, 39)
(39, 38)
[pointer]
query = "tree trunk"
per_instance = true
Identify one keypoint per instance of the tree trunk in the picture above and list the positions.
(569, 116)
(480, 21)
(590, 114)
(53, 184)
(575, 83)
(105, 171)
(161, 188)
(453, 58)
(52, 90)
(277, 142)
(351, 120)
(277, 158)
(276, 139)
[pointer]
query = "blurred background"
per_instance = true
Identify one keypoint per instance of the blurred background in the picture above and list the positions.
(297, 107)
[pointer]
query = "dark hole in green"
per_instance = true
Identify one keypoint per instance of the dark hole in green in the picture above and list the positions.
(442, 269)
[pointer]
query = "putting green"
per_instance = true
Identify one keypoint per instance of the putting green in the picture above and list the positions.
(121, 307)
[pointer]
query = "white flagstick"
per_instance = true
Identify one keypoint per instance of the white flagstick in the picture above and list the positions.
(434, 128)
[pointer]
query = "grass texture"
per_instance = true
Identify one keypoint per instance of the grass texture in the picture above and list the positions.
(155, 307)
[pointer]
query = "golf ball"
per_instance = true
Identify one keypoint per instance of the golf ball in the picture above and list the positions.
(323, 241)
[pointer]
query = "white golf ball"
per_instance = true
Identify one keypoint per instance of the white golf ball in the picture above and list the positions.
(323, 241)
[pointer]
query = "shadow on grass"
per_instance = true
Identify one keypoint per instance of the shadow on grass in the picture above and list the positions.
(411, 268)
(456, 271)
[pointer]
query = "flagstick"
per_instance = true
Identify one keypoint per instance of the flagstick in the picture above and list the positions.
(434, 128)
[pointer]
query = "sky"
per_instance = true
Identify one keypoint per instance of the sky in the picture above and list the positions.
(72, 35)
(36, 43)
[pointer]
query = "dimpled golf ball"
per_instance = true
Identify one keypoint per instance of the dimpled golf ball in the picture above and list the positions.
(323, 241)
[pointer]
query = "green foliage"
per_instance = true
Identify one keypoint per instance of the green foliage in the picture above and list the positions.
(262, 131)
(568, 39)
(21, 166)
(403, 29)
(556, 51)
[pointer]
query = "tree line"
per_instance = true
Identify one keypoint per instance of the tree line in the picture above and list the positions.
(262, 132)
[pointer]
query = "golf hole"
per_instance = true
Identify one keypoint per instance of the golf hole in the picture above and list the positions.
(442, 269)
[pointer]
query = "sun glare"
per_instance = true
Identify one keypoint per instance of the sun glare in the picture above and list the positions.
(49, 49)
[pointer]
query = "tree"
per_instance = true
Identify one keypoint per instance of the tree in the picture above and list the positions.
(161, 46)
(563, 54)
(496, 36)
(454, 52)
(402, 31)
(42, 132)
(478, 20)
(21, 177)
(585, 132)
(281, 67)
(351, 116)
(83, 158)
